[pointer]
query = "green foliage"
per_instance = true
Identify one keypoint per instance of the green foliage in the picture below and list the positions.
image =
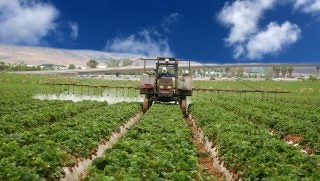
(127, 62)
(312, 78)
(2, 66)
(268, 74)
(71, 67)
(249, 149)
(113, 63)
(38, 137)
(21, 66)
(92, 63)
(159, 147)
(285, 120)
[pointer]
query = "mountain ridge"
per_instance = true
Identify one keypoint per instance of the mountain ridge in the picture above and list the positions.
(34, 55)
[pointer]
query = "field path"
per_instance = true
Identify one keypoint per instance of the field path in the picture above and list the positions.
(204, 158)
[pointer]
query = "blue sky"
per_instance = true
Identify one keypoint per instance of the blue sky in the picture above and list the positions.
(213, 31)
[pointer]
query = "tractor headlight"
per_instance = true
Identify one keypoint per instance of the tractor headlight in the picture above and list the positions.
(161, 87)
(169, 87)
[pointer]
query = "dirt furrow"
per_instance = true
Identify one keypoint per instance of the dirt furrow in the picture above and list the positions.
(204, 158)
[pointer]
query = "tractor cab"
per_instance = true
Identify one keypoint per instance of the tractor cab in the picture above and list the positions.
(165, 83)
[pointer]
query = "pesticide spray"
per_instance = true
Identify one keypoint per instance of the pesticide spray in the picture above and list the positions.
(110, 96)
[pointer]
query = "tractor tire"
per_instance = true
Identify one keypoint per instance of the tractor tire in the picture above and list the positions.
(150, 102)
(145, 105)
(183, 106)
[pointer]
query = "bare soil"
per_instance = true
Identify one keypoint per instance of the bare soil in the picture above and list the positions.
(272, 131)
(294, 138)
(204, 159)
(308, 149)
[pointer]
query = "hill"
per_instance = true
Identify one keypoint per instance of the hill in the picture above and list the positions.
(44, 55)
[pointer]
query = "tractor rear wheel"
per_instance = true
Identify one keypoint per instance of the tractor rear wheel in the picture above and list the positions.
(183, 106)
(145, 105)
(150, 103)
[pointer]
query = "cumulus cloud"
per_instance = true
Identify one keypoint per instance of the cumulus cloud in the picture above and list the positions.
(74, 27)
(247, 39)
(169, 20)
(308, 6)
(272, 40)
(26, 21)
(145, 42)
(242, 17)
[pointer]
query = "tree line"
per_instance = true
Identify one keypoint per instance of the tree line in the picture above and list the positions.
(21, 66)
(17, 67)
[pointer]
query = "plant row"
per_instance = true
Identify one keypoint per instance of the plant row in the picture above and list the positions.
(158, 147)
(58, 110)
(40, 152)
(249, 150)
(285, 122)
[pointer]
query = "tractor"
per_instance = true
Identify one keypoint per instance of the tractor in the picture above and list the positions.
(164, 84)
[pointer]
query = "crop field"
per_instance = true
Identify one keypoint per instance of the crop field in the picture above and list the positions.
(256, 136)
(159, 146)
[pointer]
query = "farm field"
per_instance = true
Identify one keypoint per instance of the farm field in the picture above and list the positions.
(249, 149)
(257, 136)
(158, 147)
(38, 138)
(263, 136)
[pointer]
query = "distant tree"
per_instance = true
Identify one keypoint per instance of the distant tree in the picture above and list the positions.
(268, 74)
(2, 66)
(92, 63)
(276, 71)
(227, 70)
(20, 66)
(290, 69)
(312, 78)
(113, 63)
(127, 62)
(318, 71)
(284, 70)
(48, 66)
(71, 67)
(240, 72)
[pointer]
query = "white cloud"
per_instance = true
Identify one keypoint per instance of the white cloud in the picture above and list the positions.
(169, 20)
(308, 6)
(26, 21)
(172, 18)
(242, 17)
(74, 27)
(272, 40)
(247, 39)
(147, 43)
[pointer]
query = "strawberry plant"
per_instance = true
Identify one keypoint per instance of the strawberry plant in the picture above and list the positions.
(158, 147)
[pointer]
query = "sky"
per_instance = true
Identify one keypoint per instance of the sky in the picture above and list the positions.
(209, 31)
